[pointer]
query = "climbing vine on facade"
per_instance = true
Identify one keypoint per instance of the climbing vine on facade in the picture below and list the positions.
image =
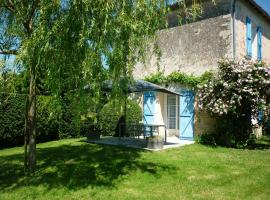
(180, 78)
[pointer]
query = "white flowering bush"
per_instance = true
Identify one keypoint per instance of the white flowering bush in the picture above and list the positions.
(238, 91)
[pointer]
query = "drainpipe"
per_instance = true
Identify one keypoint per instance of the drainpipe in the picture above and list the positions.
(233, 29)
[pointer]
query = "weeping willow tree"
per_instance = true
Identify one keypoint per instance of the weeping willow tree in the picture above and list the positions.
(70, 44)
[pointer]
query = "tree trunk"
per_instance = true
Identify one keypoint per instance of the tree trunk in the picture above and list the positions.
(245, 121)
(26, 137)
(31, 123)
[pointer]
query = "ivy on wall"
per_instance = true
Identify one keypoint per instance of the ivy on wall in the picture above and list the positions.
(179, 77)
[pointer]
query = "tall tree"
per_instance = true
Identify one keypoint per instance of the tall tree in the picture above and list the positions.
(71, 42)
(18, 21)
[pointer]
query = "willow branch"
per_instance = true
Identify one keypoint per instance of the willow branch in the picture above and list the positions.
(29, 21)
(9, 52)
(9, 5)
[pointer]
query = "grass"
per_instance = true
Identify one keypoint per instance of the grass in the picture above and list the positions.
(72, 169)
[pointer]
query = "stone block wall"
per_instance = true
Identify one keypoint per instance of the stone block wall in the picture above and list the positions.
(192, 48)
(208, 10)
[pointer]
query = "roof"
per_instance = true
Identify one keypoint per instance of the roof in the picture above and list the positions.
(253, 3)
(138, 86)
(259, 9)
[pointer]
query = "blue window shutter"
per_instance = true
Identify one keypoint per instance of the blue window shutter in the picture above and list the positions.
(171, 2)
(149, 107)
(259, 35)
(249, 37)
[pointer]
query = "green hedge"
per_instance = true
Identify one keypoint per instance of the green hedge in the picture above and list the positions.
(111, 113)
(12, 120)
(47, 119)
(12, 109)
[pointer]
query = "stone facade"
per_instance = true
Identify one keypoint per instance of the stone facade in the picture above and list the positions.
(194, 48)
(191, 48)
(244, 10)
(203, 122)
(209, 10)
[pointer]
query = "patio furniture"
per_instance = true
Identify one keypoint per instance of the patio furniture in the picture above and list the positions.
(143, 130)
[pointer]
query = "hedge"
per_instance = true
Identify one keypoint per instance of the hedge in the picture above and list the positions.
(12, 119)
(110, 114)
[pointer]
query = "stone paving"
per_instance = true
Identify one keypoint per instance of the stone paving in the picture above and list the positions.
(172, 142)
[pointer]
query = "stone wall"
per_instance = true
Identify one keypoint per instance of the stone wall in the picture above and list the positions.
(192, 48)
(208, 10)
(203, 122)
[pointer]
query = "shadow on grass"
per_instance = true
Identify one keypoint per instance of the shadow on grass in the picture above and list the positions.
(261, 144)
(76, 167)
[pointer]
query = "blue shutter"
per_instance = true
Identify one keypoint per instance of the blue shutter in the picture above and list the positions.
(171, 2)
(259, 35)
(249, 37)
(186, 114)
(260, 117)
(149, 101)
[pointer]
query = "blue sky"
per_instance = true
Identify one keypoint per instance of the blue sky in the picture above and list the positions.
(265, 4)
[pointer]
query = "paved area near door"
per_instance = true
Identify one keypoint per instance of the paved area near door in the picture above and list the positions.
(172, 142)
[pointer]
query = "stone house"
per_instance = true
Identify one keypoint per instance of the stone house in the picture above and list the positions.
(227, 29)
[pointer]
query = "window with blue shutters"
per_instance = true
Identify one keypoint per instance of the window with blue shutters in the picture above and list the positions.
(259, 35)
(249, 37)
(170, 2)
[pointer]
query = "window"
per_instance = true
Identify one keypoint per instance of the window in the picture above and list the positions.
(170, 2)
(259, 36)
(249, 37)
(171, 111)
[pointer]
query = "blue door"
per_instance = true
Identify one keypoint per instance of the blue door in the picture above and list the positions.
(149, 101)
(186, 115)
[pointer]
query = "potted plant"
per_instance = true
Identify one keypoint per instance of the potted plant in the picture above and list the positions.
(89, 127)
(154, 142)
(92, 132)
(93, 136)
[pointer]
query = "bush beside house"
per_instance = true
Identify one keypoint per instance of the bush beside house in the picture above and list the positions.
(235, 97)
(110, 114)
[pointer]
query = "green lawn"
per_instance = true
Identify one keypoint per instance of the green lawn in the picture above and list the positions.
(72, 169)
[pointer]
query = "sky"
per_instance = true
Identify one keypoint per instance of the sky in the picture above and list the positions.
(265, 4)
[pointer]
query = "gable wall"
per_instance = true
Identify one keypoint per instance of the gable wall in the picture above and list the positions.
(192, 48)
(209, 10)
(242, 11)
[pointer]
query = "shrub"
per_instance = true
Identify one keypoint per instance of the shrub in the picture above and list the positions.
(12, 119)
(207, 139)
(70, 124)
(235, 96)
(12, 109)
(88, 124)
(110, 114)
(47, 119)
